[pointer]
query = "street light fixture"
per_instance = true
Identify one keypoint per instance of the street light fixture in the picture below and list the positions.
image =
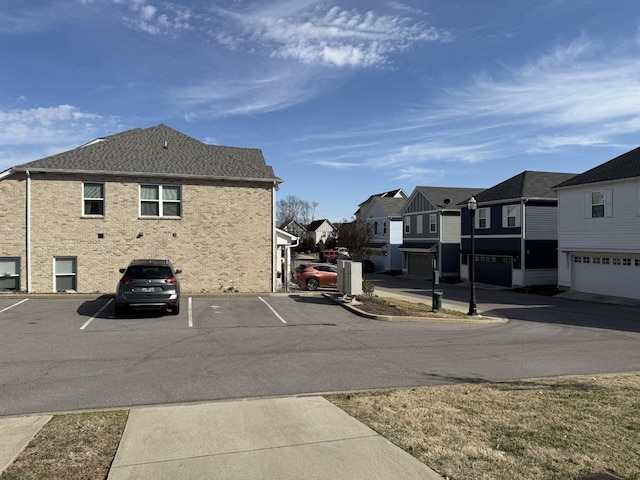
(472, 205)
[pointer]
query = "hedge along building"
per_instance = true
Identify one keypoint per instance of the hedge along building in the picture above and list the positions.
(71, 220)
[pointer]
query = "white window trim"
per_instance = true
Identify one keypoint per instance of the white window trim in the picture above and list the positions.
(161, 201)
(73, 274)
(486, 210)
(506, 216)
(84, 199)
(608, 203)
(16, 271)
(407, 224)
(433, 223)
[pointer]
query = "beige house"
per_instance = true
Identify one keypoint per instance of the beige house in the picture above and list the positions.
(71, 220)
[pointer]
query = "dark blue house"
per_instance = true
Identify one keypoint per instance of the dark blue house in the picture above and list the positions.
(516, 231)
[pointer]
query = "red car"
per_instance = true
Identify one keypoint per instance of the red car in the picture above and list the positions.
(314, 275)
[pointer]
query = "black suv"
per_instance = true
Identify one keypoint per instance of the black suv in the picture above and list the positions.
(148, 284)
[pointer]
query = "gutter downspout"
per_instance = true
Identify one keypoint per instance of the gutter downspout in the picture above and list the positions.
(28, 229)
(523, 235)
(274, 240)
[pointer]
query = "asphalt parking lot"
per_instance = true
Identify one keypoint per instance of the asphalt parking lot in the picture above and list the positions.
(69, 352)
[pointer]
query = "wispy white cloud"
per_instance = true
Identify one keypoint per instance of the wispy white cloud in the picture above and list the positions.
(333, 36)
(48, 130)
(572, 95)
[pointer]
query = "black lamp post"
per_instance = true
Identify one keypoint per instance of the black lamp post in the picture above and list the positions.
(472, 205)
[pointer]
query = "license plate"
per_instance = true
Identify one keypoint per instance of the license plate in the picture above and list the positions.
(147, 289)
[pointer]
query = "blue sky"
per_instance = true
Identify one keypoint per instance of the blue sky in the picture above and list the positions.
(345, 98)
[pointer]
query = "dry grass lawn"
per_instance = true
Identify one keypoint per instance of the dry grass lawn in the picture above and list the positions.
(71, 447)
(559, 428)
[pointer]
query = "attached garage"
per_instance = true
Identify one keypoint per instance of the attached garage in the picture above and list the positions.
(494, 270)
(420, 264)
(618, 276)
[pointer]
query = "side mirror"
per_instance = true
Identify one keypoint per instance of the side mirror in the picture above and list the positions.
(178, 271)
(122, 270)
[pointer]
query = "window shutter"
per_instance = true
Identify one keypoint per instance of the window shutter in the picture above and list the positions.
(505, 216)
(608, 203)
(587, 205)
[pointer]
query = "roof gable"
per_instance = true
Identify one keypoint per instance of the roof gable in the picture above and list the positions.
(527, 184)
(384, 206)
(424, 199)
(622, 167)
(316, 224)
(158, 151)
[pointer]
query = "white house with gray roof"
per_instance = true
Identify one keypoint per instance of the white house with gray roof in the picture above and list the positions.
(382, 213)
(71, 220)
(599, 229)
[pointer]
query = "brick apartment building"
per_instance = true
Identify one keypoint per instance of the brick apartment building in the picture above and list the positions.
(71, 220)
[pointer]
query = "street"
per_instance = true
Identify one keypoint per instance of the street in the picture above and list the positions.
(67, 353)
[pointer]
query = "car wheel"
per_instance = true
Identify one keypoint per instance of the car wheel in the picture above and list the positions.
(312, 284)
(175, 310)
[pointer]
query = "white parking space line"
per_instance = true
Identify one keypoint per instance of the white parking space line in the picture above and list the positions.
(190, 314)
(14, 305)
(86, 324)
(272, 309)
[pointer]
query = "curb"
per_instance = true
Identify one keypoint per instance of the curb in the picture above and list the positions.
(480, 319)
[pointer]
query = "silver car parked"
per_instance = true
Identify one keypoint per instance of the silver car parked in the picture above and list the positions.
(148, 284)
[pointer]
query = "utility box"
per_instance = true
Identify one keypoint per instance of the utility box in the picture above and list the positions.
(349, 277)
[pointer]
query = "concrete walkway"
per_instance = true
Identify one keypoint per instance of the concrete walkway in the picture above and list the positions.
(293, 437)
(266, 439)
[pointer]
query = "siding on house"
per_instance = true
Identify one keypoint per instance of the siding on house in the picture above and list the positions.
(212, 232)
(541, 222)
(616, 234)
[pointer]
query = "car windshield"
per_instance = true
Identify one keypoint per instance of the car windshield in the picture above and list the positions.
(151, 271)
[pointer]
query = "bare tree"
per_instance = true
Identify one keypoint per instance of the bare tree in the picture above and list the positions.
(293, 208)
(354, 236)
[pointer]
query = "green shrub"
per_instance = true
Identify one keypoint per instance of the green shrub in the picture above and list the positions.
(368, 288)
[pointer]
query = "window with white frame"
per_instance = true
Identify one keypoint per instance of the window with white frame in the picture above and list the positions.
(9, 274)
(419, 220)
(93, 198)
(483, 218)
(597, 204)
(510, 216)
(407, 224)
(65, 269)
(160, 201)
(433, 223)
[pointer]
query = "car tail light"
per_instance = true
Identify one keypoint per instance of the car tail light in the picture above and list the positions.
(171, 280)
(125, 280)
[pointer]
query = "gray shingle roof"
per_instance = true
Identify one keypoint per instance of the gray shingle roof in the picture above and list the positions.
(527, 184)
(158, 151)
(448, 197)
(626, 165)
(391, 206)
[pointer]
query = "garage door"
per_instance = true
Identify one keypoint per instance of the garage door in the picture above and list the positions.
(493, 270)
(604, 275)
(419, 264)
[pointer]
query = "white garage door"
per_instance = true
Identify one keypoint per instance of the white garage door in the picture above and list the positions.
(606, 275)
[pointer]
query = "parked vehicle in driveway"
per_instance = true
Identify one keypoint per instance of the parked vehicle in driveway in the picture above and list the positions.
(329, 255)
(148, 284)
(314, 275)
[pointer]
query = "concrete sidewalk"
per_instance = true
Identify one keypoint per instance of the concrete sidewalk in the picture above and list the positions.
(269, 439)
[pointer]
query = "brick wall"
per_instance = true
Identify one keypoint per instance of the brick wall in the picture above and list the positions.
(223, 241)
